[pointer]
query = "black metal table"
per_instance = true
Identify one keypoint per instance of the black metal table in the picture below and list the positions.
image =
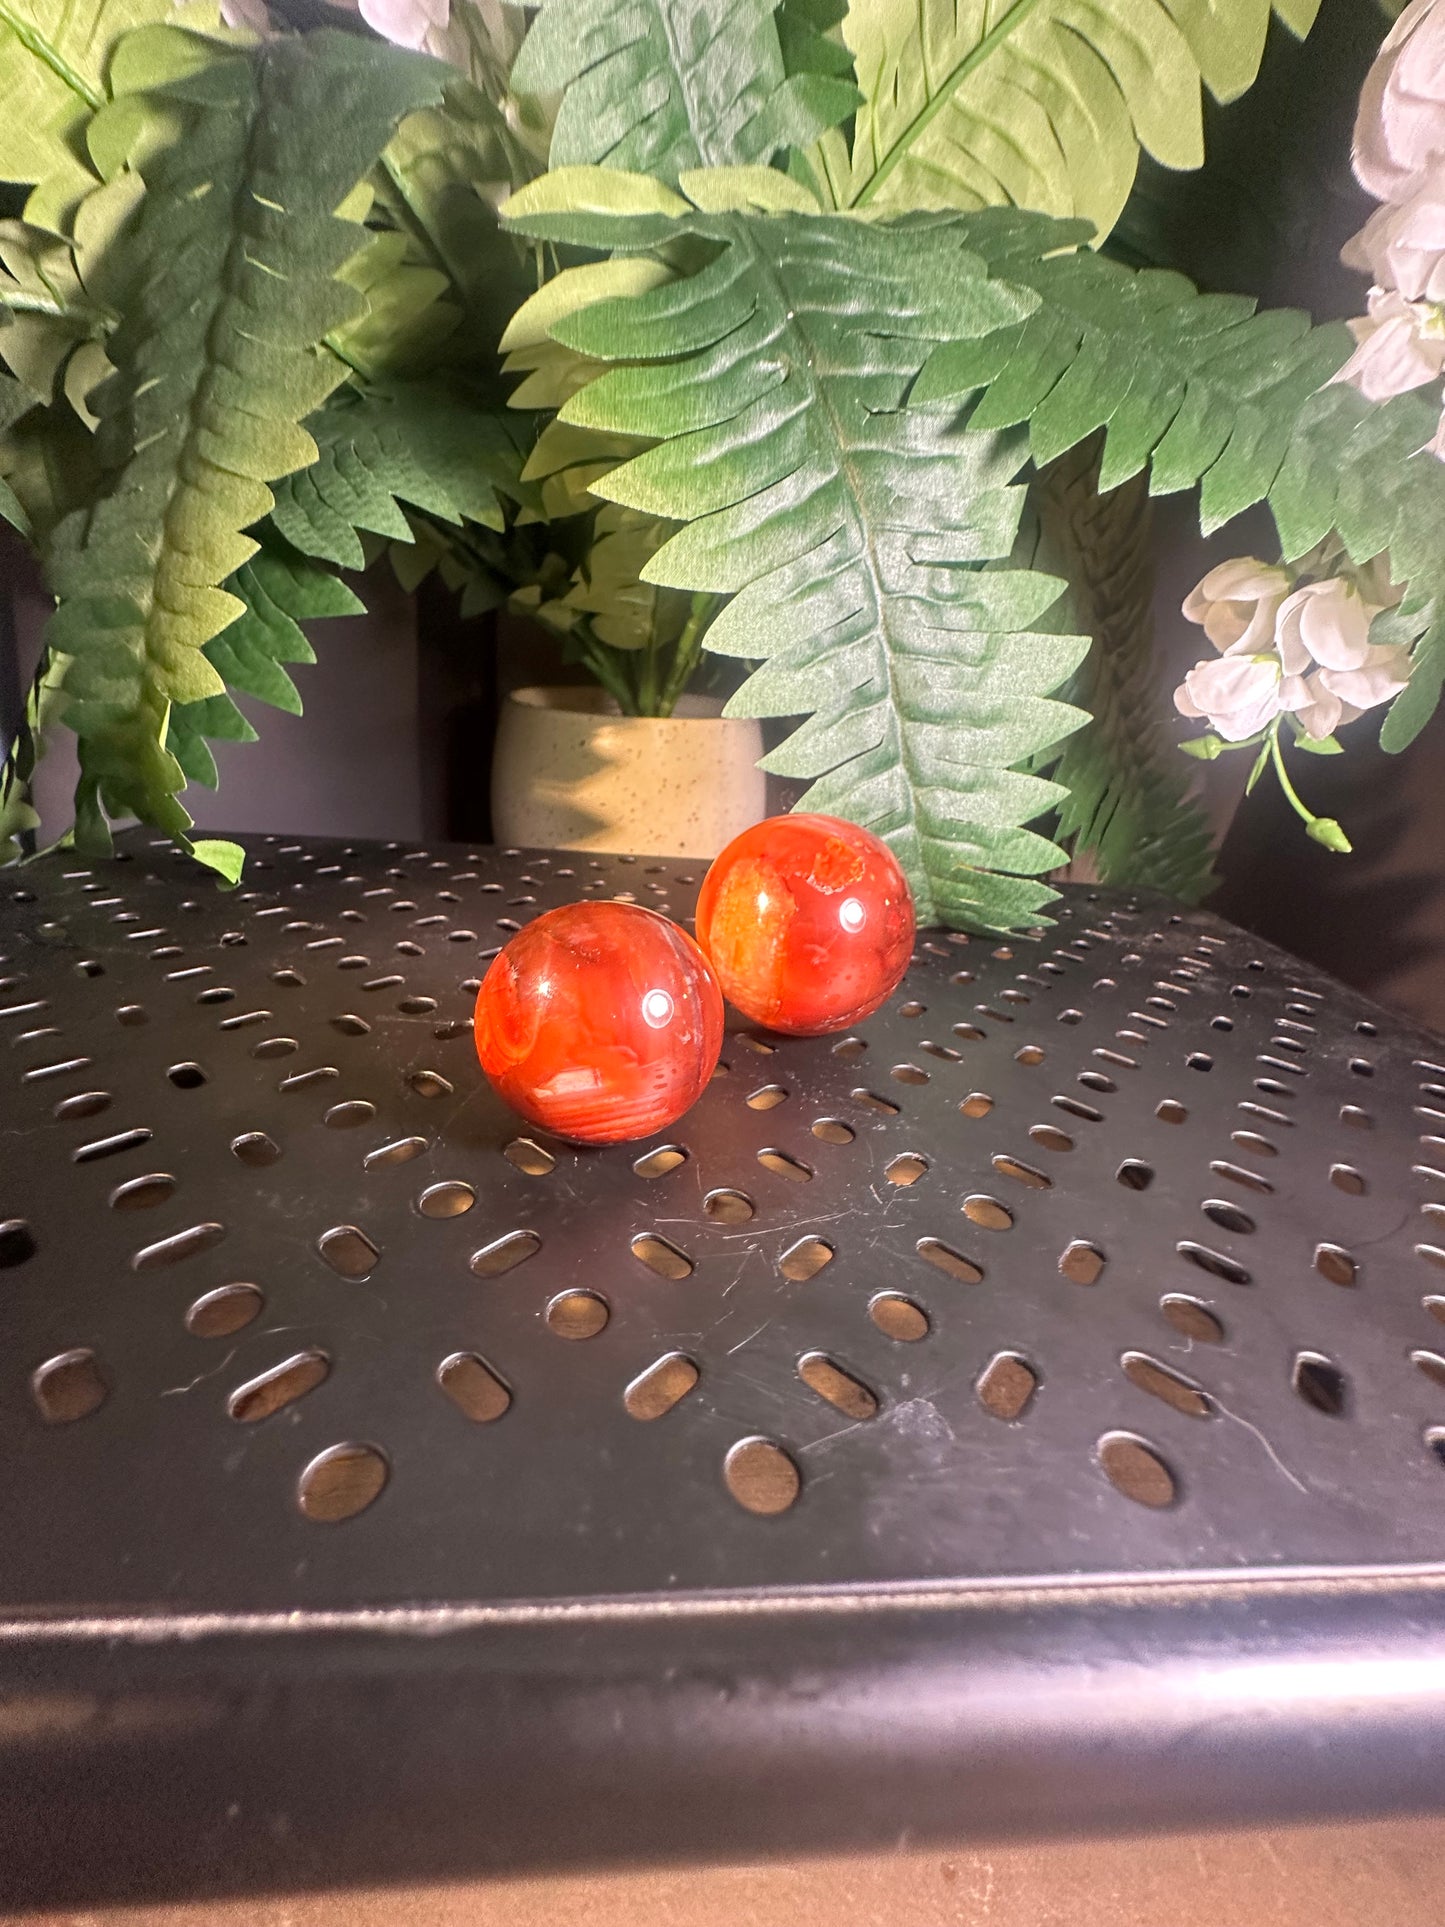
(1026, 1412)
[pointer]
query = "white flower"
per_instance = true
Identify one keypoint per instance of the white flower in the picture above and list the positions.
(247, 13)
(1322, 702)
(1239, 695)
(1236, 604)
(1324, 624)
(1400, 127)
(1401, 346)
(1402, 245)
(405, 22)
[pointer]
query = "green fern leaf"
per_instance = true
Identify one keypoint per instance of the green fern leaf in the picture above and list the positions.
(662, 86)
(1208, 393)
(432, 445)
(849, 529)
(235, 253)
(1127, 816)
(1041, 103)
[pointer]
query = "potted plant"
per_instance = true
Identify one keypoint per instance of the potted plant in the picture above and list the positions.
(766, 361)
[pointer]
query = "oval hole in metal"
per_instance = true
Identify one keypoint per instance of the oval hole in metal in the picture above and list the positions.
(142, 1194)
(349, 1252)
(761, 1477)
(1191, 1319)
(726, 1206)
(874, 1102)
(473, 1387)
(657, 1164)
(577, 1314)
(900, 1318)
(1236, 1174)
(805, 1259)
(1021, 1173)
(1136, 1469)
(1214, 1262)
(988, 1212)
(907, 1168)
(1336, 1264)
(70, 1386)
(1006, 1386)
(1344, 1177)
(272, 1391)
(1163, 1382)
(17, 1243)
(400, 1151)
(832, 1130)
(1170, 1111)
(946, 1259)
(256, 1149)
(767, 1097)
(1227, 1216)
(530, 1157)
(504, 1254)
(230, 1308)
(847, 1394)
(1320, 1383)
(1082, 1263)
(660, 1255)
(347, 1115)
(665, 1383)
(342, 1481)
(173, 1250)
(449, 1199)
(976, 1104)
(783, 1166)
(1049, 1137)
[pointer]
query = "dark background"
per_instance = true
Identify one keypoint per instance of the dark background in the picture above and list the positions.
(401, 706)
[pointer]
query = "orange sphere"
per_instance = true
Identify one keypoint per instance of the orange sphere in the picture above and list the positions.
(808, 922)
(599, 1022)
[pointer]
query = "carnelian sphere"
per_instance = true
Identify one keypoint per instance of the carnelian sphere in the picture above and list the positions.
(808, 922)
(599, 1021)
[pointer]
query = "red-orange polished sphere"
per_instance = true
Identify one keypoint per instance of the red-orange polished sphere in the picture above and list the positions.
(599, 1021)
(808, 922)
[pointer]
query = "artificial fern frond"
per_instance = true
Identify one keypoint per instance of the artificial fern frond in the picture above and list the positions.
(849, 529)
(1127, 812)
(661, 86)
(1042, 103)
(1208, 393)
(277, 592)
(428, 444)
(233, 263)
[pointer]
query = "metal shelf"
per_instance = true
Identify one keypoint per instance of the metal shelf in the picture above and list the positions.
(1008, 1416)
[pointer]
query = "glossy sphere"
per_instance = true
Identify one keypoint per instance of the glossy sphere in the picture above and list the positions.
(808, 922)
(599, 1021)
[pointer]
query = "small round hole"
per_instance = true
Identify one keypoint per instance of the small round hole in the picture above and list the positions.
(186, 1077)
(255, 1148)
(761, 1477)
(1171, 1111)
(907, 1168)
(1336, 1264)
(976, 1104)
(1344, 1177)
(577, 1314)
(1320, 1383)
(17, 1243)
(1135, 1175)
(832, 1130)
(900, 1318)
(349, 1252)
(340, 1482)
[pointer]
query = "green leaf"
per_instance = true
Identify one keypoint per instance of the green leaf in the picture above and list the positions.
(662, 86)
(1127, 811)
(235, 253)
(226, 859)
(1318, 745)
(1039, 103)
(1208, 393)
(1207, 748)
(434, 444)
(852, 532)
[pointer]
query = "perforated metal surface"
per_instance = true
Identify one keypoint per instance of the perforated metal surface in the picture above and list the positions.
(277, 1090)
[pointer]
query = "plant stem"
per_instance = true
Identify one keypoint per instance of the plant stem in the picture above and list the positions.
(687, 651)
(35, 42)
(1300, 808)
(605, 666)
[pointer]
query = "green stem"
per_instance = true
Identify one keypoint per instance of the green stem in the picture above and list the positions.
(33, 41)
(943, 95)
(606, 666)
(1300, 808)
(688, 650)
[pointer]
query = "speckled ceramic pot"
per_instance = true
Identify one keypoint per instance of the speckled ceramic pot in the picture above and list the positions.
(571, 773)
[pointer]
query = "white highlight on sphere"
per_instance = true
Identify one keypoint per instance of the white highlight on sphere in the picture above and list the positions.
(657, 1008)
(851, 914)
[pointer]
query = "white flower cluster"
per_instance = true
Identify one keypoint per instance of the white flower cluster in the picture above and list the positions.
(1290, 647)
(1399, 157)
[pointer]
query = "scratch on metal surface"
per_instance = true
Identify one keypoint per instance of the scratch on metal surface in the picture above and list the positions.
(174, 1391)
(1279, 1462)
